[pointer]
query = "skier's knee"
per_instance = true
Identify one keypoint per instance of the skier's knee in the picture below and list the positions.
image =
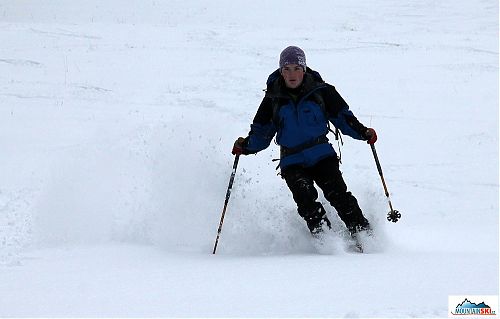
(335, 191)
(304, 191)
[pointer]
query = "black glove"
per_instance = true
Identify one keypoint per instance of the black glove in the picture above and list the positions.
(371, 136)
(239, 147)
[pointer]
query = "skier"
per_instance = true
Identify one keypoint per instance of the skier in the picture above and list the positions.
(297, 108)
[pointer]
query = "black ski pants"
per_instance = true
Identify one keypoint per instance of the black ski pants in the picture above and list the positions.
(327, 176)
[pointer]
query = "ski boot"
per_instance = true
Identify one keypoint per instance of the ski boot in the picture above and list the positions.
(356, 233)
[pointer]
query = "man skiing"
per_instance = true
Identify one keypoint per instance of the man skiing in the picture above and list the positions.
(297, 108)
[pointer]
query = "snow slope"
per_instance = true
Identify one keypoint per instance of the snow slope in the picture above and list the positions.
(116, 124)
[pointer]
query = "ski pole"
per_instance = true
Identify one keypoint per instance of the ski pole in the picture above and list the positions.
(228, 193)
(393, 215)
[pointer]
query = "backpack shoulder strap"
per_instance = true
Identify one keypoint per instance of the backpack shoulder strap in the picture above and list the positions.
(272, 92)
(318, 98)
(272, 77)
(315, 74)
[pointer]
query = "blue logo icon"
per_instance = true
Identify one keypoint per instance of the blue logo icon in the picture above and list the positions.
(470, 308)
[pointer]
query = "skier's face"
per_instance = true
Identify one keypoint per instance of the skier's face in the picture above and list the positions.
(293, 75)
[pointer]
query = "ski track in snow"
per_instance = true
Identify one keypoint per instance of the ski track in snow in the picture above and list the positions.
(116, 124)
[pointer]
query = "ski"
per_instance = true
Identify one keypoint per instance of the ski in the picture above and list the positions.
(356, 245)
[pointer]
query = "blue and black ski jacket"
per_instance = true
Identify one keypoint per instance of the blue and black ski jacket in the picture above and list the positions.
(299, 118)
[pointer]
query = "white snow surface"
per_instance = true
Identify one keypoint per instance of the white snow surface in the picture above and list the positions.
(116, 124)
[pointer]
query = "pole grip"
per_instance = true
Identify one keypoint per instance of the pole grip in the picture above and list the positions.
(377, 162)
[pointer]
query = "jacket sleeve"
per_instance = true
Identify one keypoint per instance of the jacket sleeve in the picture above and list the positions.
(262, 129)
(340, 115)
